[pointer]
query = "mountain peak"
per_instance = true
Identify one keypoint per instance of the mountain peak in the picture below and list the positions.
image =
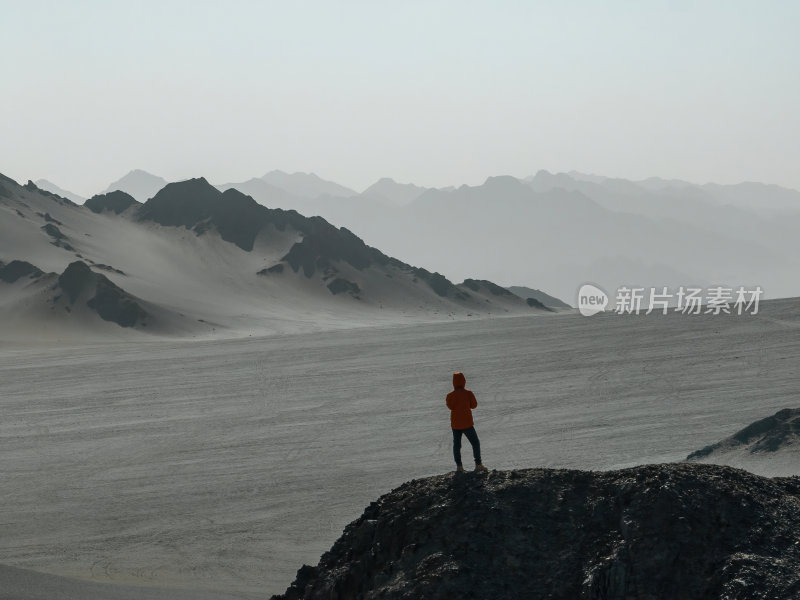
(306, 185)
(393, 193)
(504, 183)
(502, 180)
(139, 184)
(116, 202)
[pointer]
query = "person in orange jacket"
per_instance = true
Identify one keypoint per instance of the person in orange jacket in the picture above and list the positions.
(461, 401)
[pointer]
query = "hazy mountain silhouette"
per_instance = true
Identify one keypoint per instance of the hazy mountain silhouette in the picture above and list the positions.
(306, 185)
(49, 186)
(559, 232)
(762, 198)
(390, 192)
(139, 184)
(265, 193)
(756, 196)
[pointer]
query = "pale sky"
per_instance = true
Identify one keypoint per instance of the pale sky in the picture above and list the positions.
(430, 92)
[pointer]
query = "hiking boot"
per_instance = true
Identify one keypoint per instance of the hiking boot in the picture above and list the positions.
(480, 468)
(459, 469)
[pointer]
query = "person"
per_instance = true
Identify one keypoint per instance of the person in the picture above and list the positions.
(461, 401)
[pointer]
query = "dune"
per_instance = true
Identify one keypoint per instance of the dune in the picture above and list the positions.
(769, 446)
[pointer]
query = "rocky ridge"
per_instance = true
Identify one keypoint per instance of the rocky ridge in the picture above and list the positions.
(656, 531)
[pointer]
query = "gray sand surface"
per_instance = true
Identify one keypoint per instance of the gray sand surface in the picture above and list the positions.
(225, 465)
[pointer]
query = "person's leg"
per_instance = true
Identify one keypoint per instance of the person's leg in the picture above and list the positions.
(457, 446)
(472, 436)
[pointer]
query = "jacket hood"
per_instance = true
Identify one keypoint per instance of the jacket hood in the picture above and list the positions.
(459, 380)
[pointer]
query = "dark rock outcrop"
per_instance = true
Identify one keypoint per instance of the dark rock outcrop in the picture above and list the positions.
(4, 183)
(767, 435)
(656, 531)
(198, 205)
(59, 239)
(110, 301)
(439, 283)
(53, 231)
(109, 268)
(341, 286)
(115, 202)
(17, 269)
(545, 299)
(278, 268)
(534, 303)
(322, 245)
(49, 218)
(75, 279)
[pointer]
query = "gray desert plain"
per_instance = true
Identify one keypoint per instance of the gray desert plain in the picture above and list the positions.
(215, 462)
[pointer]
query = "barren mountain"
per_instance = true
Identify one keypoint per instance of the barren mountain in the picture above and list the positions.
(201, 262)
(115, 202)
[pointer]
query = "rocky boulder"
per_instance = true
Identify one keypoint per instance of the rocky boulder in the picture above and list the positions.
(657, 532)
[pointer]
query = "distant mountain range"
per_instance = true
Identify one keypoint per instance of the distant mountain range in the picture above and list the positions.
(388, 191)
(559, 230)
(51, 187)
(139, 184)
(306, 185)
(194, 260)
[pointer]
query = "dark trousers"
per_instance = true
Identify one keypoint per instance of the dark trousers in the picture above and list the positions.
(472, 436)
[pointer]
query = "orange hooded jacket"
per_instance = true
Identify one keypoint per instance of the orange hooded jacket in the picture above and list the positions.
(461, 402)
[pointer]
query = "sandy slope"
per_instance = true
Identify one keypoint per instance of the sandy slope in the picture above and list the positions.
(227, 464)
(200, 286)
(770, 446)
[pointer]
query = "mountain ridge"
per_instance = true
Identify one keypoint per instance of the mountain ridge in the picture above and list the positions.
(206, 261)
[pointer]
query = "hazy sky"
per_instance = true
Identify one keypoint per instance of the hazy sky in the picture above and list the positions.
(437, 93)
